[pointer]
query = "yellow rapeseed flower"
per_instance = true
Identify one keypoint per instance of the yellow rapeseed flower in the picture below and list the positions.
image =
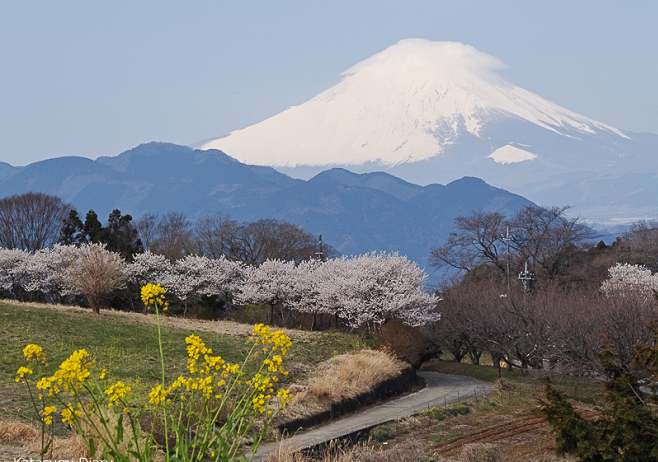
(69, 414)
(152, 294)
(21, 372)
(46, 417)
(73, 371)
(116, 392)
(158, 395)
(34, 352)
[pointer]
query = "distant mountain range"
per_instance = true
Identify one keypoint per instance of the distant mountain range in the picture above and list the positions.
(432, 112)
(355, 213)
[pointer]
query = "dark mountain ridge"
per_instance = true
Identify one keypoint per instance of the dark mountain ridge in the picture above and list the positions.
(355, 213)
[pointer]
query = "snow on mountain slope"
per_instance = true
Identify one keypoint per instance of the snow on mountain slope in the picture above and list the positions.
(406, 104)
(511, 154)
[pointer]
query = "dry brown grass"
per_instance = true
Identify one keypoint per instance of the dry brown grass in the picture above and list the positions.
(410, 451)
(349, 375)
(342, 377)
(28, 437)
(71, 448)
(482, 452)
(17, 432)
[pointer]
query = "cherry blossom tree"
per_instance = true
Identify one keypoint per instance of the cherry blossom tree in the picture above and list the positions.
(272, 282)
(371, 289)
(44, 272)
(630, 281)
(311, 276)
(148, 268)
(94, 272)
(12, 270)
(194, 276)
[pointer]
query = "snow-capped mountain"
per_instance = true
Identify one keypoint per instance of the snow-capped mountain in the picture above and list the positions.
(432, 112)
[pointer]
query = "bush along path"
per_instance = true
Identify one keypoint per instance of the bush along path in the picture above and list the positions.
(440, 390)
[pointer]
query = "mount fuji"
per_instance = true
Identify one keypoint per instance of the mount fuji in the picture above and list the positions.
(433, 112)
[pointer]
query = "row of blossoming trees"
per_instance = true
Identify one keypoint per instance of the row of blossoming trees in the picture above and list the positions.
(361, 291)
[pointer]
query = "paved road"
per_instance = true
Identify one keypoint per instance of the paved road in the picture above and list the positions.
(441, 389)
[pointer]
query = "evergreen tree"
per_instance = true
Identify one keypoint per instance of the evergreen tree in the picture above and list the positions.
(121, 236)
(92, 229)
(627, 430)
(72, 229)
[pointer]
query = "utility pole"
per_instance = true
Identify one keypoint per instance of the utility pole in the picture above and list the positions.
(320, 254)
(526, 277)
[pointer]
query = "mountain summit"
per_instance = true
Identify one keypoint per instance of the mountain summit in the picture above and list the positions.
(433, 112)
(404, 104)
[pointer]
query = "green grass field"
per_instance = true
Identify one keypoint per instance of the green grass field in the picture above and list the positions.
(128, 348)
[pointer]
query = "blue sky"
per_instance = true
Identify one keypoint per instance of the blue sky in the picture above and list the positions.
(94, 79)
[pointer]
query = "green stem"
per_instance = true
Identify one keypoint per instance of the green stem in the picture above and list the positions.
(164, 412)
(34, 403)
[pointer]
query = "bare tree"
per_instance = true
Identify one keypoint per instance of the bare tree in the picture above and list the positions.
(254, 243)
(173, 236)
(475, 241)
(546, 238)
(31, 221)
(639, 245)
(146, 228)
(216, 235)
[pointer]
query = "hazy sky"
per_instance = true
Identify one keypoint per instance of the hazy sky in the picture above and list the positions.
(94, 79)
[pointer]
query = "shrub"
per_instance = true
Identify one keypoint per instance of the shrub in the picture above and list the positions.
(404, 342)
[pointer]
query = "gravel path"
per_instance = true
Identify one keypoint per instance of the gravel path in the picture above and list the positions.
(441, 389)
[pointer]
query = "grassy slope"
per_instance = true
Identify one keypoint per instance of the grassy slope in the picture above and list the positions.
(126, 347)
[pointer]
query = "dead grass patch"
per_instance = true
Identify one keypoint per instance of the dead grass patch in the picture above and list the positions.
(409, 451)
(346, 376)
(72, 447)
(339, 378)
(17, 432)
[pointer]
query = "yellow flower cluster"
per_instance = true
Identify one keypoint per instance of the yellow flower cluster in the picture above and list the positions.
(69, 414)
(34, 352)
(153, 294)
(46, 417)
(70, 376)
(117, 392)
(274, 364)
(73, 371)
(212, 368)
(277, 339)
(284, 397)
(259, 402)
(158, 395)
(22, 372)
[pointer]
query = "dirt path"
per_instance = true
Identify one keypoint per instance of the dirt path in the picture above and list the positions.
(441, 389)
